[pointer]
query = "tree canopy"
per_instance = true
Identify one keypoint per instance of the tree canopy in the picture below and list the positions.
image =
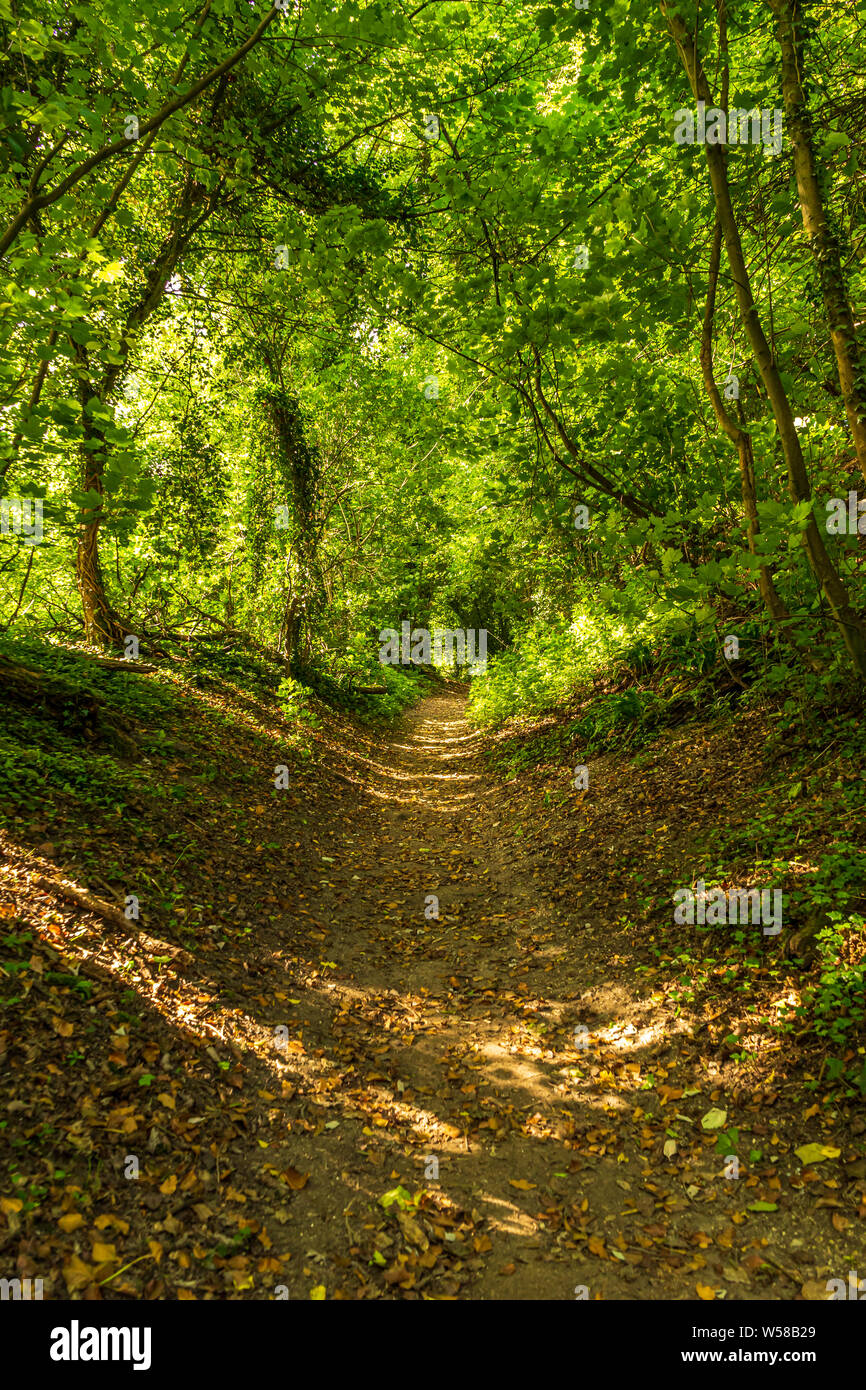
(431, 279)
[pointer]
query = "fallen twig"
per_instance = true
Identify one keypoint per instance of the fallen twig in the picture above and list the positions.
(114, 915)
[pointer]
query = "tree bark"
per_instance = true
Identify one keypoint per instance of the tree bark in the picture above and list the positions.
(739, 437)
(298, 467)
(823, 240)
(103, 627)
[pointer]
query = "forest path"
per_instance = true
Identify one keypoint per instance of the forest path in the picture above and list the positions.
(508, 1048)
(463, 970)
(332, 1092)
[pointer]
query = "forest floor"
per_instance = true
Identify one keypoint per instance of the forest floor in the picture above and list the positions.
(318, 1088)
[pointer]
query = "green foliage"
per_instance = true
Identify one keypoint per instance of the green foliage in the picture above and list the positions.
(837, 1000)
(297, 702)
(547, 663)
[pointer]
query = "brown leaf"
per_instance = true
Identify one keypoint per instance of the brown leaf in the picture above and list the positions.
(411, 1230)
(77, 1274)
(295, 1179)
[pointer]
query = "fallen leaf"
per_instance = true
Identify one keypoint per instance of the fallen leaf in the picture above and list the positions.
(816, 1153)
(815, 1291)
(77, 1274)
(295, 1180)
(411, 1230)
(714, 1119)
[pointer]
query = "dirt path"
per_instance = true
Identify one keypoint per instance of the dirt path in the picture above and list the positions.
(510, 1048)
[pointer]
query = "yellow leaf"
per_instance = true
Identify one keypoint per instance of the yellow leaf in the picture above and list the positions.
(166, 1100)
(155, 1249)
(71, 1221)
(522, 1184)
(816, 1291)
(77, 1274)
(102, 1222)
(8, 1204)
(318, 1293)
(102, 1253)
(816, 1153)
(705, 1292)
(168, 1186)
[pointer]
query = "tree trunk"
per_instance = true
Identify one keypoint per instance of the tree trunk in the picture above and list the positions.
(103, 627)
(822, 238)
(298, 469)
(739, 436)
